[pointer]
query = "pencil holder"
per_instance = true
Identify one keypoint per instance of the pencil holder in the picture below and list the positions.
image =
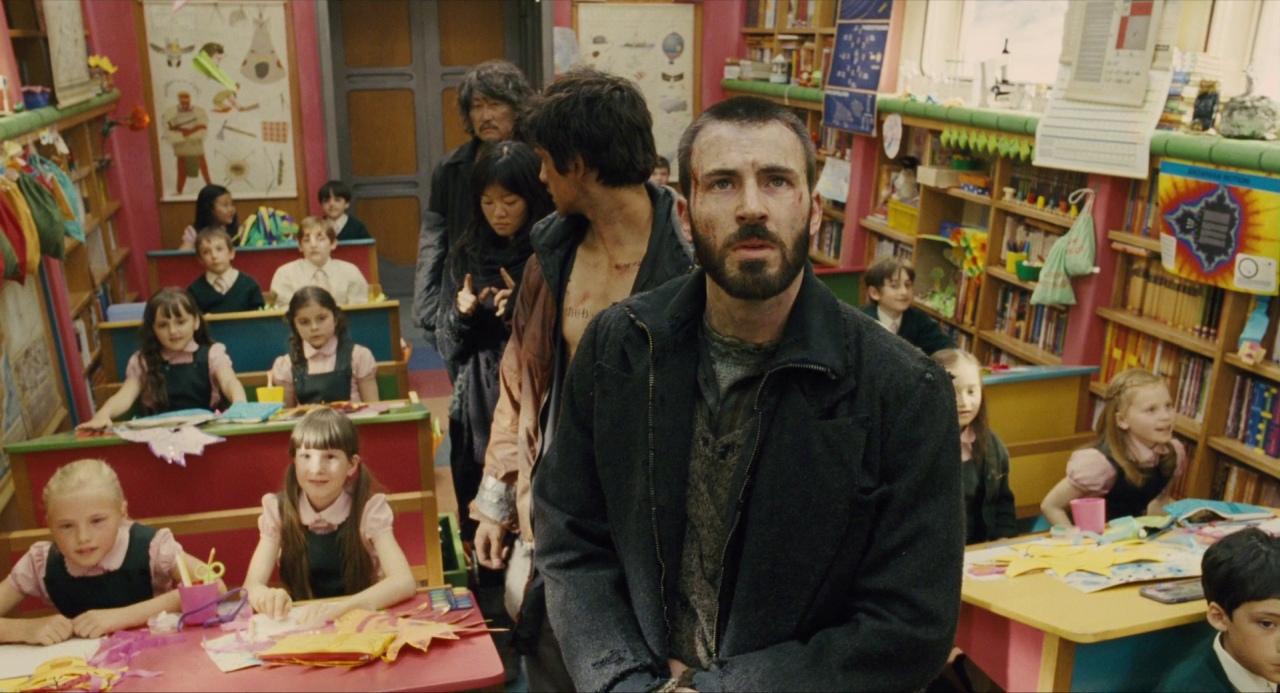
(1090, 514)
(199, 603)
(270, 394)
(1011, 261)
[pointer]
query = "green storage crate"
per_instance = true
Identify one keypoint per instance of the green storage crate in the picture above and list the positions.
(455, 564)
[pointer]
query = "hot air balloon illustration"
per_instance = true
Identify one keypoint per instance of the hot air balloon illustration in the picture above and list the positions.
(673, 46)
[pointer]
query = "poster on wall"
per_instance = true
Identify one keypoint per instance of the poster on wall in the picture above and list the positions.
(857, 59)
(220, 87)
(31, 398)
(1220, 226)
(68, 53)
(654, 46)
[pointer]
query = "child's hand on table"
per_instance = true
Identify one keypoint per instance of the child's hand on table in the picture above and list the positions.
(99, 422)
(272, 601)
(49, 630)
(99, 622)
(316, 615)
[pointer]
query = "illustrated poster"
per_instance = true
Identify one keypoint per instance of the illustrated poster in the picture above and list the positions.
(220, 88)
(1220, 227)
(30, 391)
(652, 45)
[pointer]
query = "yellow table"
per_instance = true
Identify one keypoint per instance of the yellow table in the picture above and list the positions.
(1033, 632)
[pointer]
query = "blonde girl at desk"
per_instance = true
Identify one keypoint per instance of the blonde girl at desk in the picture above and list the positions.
(1136, 460)
(988, 502)
(323, 364)
(330, 533)
(178, 367)
(102, 571)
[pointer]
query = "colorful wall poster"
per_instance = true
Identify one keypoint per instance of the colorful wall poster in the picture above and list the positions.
(31, 394)
(1220, 226)
(220, 89)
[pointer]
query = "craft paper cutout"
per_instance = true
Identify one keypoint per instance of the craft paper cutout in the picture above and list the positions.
(171, 444)
(66, 674)
(328, 649)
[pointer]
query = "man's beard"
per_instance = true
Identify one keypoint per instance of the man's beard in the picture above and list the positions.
(752, 281)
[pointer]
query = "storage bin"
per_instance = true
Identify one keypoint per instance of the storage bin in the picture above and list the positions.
(902, 216)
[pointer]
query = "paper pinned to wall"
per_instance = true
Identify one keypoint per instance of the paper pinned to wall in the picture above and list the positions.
(1100, 138)
(833, 184)
(22, 660)
(1112, 54)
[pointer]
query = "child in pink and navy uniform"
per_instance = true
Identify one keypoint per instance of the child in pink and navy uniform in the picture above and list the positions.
(1136, 460)
(102, 571)
(310, 530)
(178, 367)
(323, 364)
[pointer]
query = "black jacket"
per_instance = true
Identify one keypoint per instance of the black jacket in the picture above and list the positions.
(1201, 671)
(918, 328)
(996, 516)
(447, 214)
(843, 565)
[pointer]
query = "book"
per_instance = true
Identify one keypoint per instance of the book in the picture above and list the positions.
(249, 412)
(1204, 510)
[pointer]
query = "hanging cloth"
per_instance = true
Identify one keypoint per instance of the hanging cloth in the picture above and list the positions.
(70, 194)
(28, 251)
(1071, 255)
(44, 209)
(1080, 241)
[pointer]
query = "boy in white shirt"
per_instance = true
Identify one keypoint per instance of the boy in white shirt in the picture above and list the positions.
(316, 241)
(1241, 578)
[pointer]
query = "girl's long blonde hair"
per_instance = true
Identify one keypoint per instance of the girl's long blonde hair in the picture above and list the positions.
(1118, 397)
(324, 429)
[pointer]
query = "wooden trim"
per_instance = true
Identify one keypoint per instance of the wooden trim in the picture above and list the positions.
(1040, 447)
(1020, 349)
(1133, 239)
(1159, 330)
(1057, 659)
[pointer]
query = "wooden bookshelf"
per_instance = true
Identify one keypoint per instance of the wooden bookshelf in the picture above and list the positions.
(881, 227)
(1198, 345)
(1266, 369)
(1010, 278)
(1016, 347)
(1133, 239)
(931, 312)
(1062, 221)
(971, 197)
(1244, 454)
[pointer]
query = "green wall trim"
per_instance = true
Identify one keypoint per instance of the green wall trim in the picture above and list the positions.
(28, 121)
(784, 91)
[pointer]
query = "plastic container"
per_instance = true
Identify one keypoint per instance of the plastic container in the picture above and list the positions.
(451, 553)
(1012, 260)
(199, 603)
(1090, 514)
(903, 217)
(1028, 273)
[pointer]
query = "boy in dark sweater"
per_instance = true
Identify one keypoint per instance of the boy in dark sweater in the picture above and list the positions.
(335, 199)
(222, 288)
(1241, 577)
(889, 285)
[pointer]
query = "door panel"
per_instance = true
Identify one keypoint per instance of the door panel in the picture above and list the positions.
(393, 212)
(380, 43)
(455, 134)
(467, 34)
(371, 115)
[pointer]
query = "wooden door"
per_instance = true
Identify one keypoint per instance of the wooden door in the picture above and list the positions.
(396, 68)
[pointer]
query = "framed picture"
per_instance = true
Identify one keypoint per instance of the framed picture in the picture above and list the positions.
(68, 52)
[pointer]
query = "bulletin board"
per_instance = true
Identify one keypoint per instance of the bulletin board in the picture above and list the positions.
(32, 400)
(658, 46)
(220, 88)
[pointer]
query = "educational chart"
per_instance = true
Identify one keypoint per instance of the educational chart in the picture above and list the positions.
(220, 87)
(30, 393)
(857, 58)
(653, 45)
(1220, 227)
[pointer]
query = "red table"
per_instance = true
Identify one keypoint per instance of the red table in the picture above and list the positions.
(466, 664)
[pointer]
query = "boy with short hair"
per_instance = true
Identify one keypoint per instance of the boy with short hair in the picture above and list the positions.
(335, 200)
(317, 267)
(1241, 578)
(889, 286)
(661, 172)
(222, 288)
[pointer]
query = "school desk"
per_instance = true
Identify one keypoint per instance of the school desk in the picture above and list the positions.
(215, 500)
(466, 664)
(1033, 632)
(1042, 415)
(255, 338)
(181, 267)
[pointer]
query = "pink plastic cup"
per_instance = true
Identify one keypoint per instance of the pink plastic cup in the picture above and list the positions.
(1090, 514)
(199, 603)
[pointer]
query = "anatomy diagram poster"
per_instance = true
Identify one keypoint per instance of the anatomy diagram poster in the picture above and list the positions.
(220, 87)
(654, 46)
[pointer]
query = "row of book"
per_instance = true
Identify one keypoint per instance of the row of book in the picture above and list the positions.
(828, 239)
(836, 142)
(1022, 235)
(999, 357)
(1179, 303)
(1252, 416)
(1273, 352)
(887, 247)
(1242, 484)
(1186, 373)
(1191, 71)
(1142, 208)
(1042, 326)
(962, 339)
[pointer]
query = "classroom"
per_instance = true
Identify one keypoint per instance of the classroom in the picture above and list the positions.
(825, 344)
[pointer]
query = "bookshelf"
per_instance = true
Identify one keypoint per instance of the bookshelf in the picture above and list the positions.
(802, 31)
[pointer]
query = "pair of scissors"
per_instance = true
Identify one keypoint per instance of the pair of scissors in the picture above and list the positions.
(211, 572)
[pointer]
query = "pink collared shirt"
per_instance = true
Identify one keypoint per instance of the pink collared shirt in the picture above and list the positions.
(218, 358)
(376, 520)
(28, 574)
(1089, 471)
(324, 360)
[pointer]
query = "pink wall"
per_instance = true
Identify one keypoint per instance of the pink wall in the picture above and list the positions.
(311, 95)
(721, 38)
(8, 63)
